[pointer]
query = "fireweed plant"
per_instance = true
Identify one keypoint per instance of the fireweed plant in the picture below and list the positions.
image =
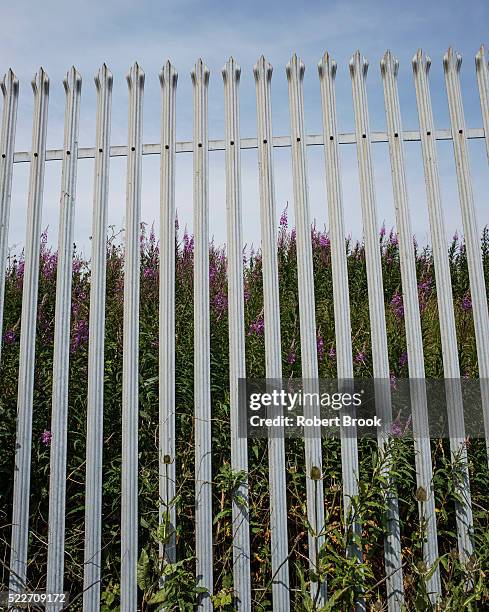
(464, 587)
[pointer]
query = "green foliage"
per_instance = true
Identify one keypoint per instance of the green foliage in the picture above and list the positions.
(361, 572)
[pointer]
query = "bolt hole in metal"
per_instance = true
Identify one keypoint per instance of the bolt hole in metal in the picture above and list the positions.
(396, 135)
(460, 131)
(298, 139)
(232, 142)
(100, 150)
(331, 137)
(200, 145)
(133, 148)
(68, 153)
(428, 133)
(3, 155)
(364, 135)
(167, 147)
(265, 141)
(35, 154)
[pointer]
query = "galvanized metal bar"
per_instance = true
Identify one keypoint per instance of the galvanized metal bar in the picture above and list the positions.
(96, 344)
(186, 146)
(307, 318)
(482, 72)
(23, 440)
(341, 301)
(62, 332)
(202, 390)
(237, 361)
(273, 352)
(452, 63)
(167, 458)
(421, 66)
(10, 91)
(378, 332)
(130, 364)
(339, 263)
(389, 69)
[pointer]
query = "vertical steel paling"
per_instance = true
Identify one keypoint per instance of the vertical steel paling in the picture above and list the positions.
(341, 300)
(10, 91)
(130, 364)
(62, 328)
(349, 445)
(482, 72)
(202, 392)
(380, 356)
(273, 352)
(446, 312)
(414, 339)
(237, 362)
(167, 459)
(452, 63)
(23, 444)
(312, 439)
(96, 335)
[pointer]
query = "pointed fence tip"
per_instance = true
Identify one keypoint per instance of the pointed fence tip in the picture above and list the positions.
(389, 63)
(452, 59)
(9, 82)
(480, 56)
(262, 66)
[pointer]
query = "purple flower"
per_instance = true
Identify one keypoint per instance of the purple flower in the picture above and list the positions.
(397, 305)
(403, 359)
(257, 327)
(283, 218)
(188, 244)
(324, 240)
(382, 231)
(293, 235)
(332, 353)
(466, 303)
(220, 303)
(46, 437)
(455, 236)
(396, 429)
(9, 337)
(320, 347)
(246, 295)
(149, 273)
(360, 357)
(81, 334)
(393, 380)
(291, 358)
(393, 240)
(212, 271)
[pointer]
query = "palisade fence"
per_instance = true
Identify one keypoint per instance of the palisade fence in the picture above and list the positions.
(265, 142)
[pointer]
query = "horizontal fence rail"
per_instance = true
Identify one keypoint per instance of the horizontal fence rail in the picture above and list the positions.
(186, 146)
(281, 548)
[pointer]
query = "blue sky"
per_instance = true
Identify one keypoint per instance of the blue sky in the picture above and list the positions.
(57, 34)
